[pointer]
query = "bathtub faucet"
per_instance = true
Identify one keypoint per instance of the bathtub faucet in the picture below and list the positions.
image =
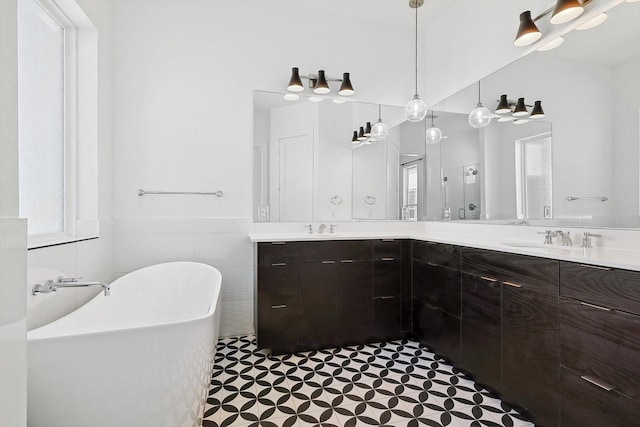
(67, 282)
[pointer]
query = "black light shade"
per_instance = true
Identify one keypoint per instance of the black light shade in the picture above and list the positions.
(503, 105)
(295, 84)
(321, 87)
(355, 136)
(528, 32)
(361, 134)
(346, 88)
(565, 11)
(521, 109)
(367, 129)
(537, 112)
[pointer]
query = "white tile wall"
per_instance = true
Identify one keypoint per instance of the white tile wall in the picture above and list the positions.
(222, 243)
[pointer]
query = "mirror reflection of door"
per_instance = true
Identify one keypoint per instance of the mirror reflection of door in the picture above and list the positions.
(412, 183)
(533, 177)
(462, 192)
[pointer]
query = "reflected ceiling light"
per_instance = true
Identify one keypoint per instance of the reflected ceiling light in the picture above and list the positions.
(521, 121)
(433, 134)
(367, 129)
(506, 119)
(416, 109)
(320, 83)
(521, 109)
(565, 11)
(528, 33)
(361, 136)
(346, 88)
(593, 22)
(551, 45)
(379, 130)
(503, 105)
(295, 84)
(537, 112)
(354, 139)
(321, 86)
(480, 116)
(291, 97)
(315, 99)
(338, 101)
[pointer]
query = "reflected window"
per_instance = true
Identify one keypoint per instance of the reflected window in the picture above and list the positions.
(410, 192)
(533, 177)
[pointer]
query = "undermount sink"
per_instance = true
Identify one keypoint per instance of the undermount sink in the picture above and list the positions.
(532, 245)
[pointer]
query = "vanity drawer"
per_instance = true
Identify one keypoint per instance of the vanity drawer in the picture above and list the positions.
(437, 254)
(601, 343)
(278, 253)
(585, 404)
(336, 250)
(387, 249)
(538, 274)
(609, 287)
(278, 285)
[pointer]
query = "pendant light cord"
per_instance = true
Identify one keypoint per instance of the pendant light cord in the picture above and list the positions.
(479, 103)
(379, 112)
(416, 49)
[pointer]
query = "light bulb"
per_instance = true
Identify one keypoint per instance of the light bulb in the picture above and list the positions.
(480, 117)
(434, 135)
(379, 130)
(415, 110)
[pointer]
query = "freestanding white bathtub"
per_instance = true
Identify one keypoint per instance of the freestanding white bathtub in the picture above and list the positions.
(142, 356)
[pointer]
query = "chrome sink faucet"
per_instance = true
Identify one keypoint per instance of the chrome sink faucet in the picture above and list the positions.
(67, 282)
(321, 228)
(565, 237)
(548, 238)
(586, 239)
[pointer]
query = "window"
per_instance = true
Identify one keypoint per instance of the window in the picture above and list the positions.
(57, 69)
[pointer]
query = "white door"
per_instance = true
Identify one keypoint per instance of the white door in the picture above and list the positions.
(296, 175)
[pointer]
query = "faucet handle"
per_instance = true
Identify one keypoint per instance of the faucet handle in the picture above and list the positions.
(310, 227)
(62, 279)
(586, 239)
(548, 235)
(331, 228)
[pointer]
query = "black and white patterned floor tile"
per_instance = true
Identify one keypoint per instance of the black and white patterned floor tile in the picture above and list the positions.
(398, 383)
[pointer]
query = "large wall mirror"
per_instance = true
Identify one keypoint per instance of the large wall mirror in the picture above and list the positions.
(577, 166)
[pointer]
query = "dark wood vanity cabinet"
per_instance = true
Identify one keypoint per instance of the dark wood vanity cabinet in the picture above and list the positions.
(600, 345)
(436, 297)
(314, 295)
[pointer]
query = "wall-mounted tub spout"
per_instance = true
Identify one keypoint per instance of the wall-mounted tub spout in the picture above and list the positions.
(67, 282)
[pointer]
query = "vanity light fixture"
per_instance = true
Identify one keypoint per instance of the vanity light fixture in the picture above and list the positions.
(433, 134)
(503, 105)
(521, 109)
(537, 112)
(367, 130)
(354, 139)
(361, 136)
(379, 130)
(593, 22)
(480, 116)
(319, 83)
(528, 33)
(416, 109)
(565, 11)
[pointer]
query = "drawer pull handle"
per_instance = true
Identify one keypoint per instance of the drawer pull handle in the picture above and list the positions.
(278, 306)
(388, 259)
(328, 262)
(385, 297)
(279, 264)
(595, 306)
(597, 383)
(388, 240)
(597, 267)
(347, 261)
(278, 243)
(433, 264)
(515, 285)
(488, 279)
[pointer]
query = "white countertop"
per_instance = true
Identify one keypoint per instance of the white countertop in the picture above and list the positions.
(606, 257)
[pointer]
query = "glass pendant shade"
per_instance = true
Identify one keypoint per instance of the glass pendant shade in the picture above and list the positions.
(593, 22)
(367, 129)
(321, 87)
(295, 84)
(528, 33)
(379, 130)
(537, 112)
(415, 110)
(346, 88)
(480, 117)
(503, 105)
(521, 109)
(565, 11)
(433, 135)
(355, 136)
(291, 97)
(551, 45)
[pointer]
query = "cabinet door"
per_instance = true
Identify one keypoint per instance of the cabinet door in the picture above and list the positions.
(438, 329)
(317, 282)
(353, 302)
(386, 318)
(481, 329)
(585, 404)
(387, 277)
(278, 307)
(437, 286)
(530, 359)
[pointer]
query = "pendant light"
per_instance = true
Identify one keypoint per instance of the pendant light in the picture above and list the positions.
(528, 33)
(565, 11)
(379, 130)
(521, 109)
(367, 129)
(346, 88)
(503, 105)
(416, 109)
(354, 139)
(537, 112)
(433, 134)
(321, 87)
(361, 136)
(295, 83)
(480, 116)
